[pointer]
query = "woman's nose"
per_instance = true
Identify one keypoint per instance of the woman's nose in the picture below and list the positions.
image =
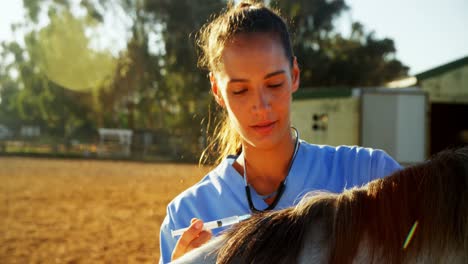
(262, 101)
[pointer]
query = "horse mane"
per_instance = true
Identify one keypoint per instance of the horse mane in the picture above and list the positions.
(431, 198)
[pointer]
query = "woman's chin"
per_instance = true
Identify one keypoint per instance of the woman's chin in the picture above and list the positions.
(266, 139)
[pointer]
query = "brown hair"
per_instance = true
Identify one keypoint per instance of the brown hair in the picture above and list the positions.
(432, 195)
(245, 17)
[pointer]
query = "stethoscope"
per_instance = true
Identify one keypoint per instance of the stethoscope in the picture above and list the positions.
(279, 191)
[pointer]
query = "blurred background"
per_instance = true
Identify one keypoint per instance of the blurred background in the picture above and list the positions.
(104, 112)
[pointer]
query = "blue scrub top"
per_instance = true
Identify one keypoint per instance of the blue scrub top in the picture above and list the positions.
(221, 193)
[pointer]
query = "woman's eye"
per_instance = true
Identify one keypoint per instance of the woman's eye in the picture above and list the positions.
(241, 91)
(275, 85)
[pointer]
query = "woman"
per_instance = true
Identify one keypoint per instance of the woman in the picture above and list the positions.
(253, 74)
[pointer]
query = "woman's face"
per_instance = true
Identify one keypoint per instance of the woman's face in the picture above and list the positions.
(255, 85)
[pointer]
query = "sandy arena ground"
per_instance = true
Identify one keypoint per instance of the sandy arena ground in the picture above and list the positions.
(73, 211)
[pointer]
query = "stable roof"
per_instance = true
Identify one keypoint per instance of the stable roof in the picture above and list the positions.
(443, 69)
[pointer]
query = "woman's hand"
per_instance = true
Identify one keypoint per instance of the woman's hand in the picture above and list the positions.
(193, 238)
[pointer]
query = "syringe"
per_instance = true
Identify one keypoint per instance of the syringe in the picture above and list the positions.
(214, 224)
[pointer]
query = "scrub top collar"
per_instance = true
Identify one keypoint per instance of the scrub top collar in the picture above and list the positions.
(294, 182)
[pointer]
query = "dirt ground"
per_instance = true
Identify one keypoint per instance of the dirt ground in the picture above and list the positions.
(72, 211)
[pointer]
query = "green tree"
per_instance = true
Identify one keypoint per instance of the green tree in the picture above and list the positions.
(49, 86)
(329, 59)
(66, 85)
(8, 95)
(188, 87)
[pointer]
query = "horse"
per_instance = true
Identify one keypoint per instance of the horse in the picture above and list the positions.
(416, 215)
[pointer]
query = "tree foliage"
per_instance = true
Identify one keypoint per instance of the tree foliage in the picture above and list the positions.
(61, 81)
(329, 59)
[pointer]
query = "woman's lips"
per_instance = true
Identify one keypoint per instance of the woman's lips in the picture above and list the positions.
(264, 127)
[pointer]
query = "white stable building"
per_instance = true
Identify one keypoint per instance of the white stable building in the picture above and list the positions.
(390, 119)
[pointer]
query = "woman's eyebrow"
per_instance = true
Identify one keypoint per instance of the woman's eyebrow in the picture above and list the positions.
(269, 75)
(273, 74)
(238, 80)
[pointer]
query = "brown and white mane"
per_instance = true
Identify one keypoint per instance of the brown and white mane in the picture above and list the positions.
(418, 214)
